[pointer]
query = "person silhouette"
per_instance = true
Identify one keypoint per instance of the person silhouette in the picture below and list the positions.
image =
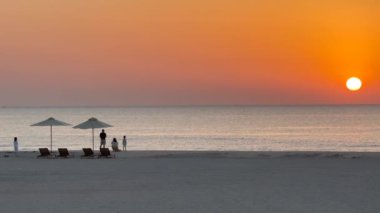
(115, 145)
(15, 145)
(103, 137)
(125, 143)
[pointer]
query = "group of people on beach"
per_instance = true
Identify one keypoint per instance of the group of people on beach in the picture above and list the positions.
(103, 136)
(114, 143)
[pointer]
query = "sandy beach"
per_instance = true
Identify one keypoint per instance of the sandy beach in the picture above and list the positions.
(192, 182)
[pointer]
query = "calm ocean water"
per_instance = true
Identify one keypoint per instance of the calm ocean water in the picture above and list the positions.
(273, 128)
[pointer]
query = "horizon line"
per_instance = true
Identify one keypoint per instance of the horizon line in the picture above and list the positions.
(187, 105)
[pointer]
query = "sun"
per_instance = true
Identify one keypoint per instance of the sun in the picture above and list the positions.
(354, 84)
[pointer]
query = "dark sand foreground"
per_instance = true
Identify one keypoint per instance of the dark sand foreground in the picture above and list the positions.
(192, 182)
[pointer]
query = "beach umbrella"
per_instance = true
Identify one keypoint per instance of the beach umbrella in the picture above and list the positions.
(51, 122)
(92, 123)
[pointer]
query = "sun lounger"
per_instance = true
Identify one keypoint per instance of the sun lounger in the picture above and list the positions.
(44, 153)
(63, 153)
(88, 153)
(105, 152)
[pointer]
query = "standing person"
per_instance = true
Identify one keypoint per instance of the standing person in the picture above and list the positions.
(15, 145)
(124, 143)
(115, 145)
(103, 137)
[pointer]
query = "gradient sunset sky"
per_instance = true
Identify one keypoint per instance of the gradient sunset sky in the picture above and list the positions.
(173, 52)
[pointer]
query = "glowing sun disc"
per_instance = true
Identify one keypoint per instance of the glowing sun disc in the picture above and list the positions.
(354, 84)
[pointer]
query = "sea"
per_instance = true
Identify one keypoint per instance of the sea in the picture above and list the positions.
(201, 128)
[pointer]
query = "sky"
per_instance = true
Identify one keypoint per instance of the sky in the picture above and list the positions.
(198, 52)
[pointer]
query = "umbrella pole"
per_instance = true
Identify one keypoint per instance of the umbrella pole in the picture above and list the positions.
(93, 146)
(51, 138)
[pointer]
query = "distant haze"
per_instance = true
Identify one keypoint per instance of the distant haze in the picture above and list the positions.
(169, 52)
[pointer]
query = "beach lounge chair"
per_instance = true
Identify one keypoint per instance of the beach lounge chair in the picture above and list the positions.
(105, 152)
(88, 153)
(44, 153)
(63, 153)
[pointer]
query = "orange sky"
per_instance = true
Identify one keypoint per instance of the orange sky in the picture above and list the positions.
(143, 52)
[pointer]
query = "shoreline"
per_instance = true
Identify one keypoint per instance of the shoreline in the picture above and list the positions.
(210, 154)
